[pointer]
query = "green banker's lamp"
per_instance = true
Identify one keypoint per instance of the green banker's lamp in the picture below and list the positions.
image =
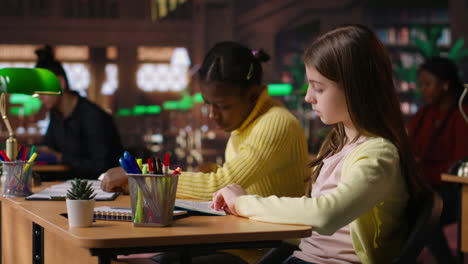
(32, 81)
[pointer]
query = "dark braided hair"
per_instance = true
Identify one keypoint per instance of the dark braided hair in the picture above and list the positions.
(233, 63)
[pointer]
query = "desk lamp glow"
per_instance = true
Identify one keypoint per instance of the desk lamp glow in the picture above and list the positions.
(463, 169)
(32, 81)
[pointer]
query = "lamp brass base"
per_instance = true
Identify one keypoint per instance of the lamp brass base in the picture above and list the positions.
(11, 148)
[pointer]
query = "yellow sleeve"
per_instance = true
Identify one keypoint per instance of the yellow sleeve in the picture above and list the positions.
(368, 172)
(259, 154)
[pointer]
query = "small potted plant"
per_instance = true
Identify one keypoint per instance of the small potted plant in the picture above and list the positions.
(80, 203)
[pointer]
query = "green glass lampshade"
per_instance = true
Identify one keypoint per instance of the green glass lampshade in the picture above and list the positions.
(25, 81)
(29, 81)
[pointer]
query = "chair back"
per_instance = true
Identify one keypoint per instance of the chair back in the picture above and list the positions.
(420, 232)
(425, 223)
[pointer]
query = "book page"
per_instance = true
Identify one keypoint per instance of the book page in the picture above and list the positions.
(59, 192)
(204, 207)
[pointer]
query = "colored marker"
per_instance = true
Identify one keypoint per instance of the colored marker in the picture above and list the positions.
(20, 152)
(4, 155)
(31, 160)
(155, 165)
(140, 164)
(160, 166)
(24, 155)
(123, 165)
(177, 171)
(33, 149)
(150, 165)
(131, 162)
(166, 163)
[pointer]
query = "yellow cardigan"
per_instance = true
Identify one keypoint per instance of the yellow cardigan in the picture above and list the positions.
(371, 197)
(267, 155)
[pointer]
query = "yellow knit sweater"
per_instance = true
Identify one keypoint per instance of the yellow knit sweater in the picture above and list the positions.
(267, 155)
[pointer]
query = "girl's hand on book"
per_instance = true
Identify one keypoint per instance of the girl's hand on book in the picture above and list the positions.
(225, 198)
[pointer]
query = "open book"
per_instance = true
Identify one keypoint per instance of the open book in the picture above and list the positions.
(59, 192)
(201, 207)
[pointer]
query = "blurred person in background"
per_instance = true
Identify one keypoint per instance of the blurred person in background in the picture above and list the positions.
(80, 134)
(440, 138)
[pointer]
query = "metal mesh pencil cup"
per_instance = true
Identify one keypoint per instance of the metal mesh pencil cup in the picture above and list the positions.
(152, 198)
(16, 178)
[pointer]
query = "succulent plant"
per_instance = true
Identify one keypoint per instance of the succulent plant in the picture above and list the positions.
(80, 190)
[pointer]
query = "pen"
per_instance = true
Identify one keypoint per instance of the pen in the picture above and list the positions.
(4, 155)
(155, 165)
(150, 165)
(24, 155)
(166, 163)
(139, 207)
(132, 165)
(177, 171)
(20, 152)
(140, 164)
(25, 174)
(33, 149)
(159, 166)
(31, 160)
(123, 165)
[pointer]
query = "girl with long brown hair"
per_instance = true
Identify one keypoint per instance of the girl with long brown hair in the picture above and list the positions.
(364, 178)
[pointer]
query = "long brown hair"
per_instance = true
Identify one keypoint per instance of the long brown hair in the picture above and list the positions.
(353, 57)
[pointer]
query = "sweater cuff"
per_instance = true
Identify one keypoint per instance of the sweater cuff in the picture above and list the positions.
(242, 204)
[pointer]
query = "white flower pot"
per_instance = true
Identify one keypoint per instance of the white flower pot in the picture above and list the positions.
(80, 212)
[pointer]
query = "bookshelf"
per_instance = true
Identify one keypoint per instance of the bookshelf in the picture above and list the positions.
(397, 26)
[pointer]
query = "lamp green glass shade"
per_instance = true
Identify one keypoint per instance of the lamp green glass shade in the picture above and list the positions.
(29, 81)
(24, 81)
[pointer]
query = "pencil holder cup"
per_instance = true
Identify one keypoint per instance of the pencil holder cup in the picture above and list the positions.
(152, 198)
(16, 178)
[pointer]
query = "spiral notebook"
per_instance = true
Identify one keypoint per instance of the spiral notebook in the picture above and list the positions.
(124, 213)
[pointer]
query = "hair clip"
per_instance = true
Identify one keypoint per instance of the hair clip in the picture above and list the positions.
(250, 73)
(255, 52)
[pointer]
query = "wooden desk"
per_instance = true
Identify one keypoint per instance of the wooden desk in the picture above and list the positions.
(5, 231)
(463, 221)
(58, 243)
